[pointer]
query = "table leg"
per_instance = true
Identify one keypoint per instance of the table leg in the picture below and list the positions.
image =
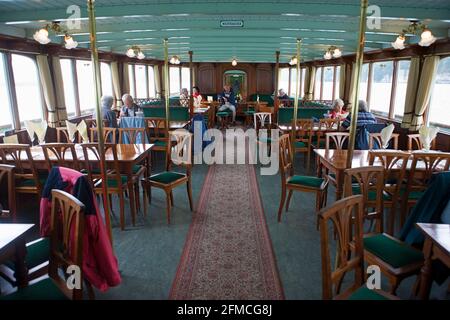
(425, 273)
(21, 273)
(149, 173)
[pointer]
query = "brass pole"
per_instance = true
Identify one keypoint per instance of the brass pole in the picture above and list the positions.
(275, 98)
(356, 75)
(191, 81)
(166, 80)
(97, 90)
(297, 87)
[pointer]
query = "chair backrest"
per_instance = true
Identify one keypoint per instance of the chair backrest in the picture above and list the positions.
(109, 134)
(376, 137)
(20, 154)
(66, 240)
(7, 173)
(285, 155)
(346, 216)
(63, 132)
(156, 128)
(414, 142)
(303, 130)
(328, 124)
(180, 149)
(338, 138)
(63, 154)
(132, 134)
(423, 165)
(260, 119)
(92, 123)
(368, 182)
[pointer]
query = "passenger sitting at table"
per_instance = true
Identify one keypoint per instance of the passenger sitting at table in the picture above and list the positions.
(282, 95)
(197, 97)
(184, 98)
(364, 116)
(129, 108)
(337, 111)
(228, 101)
(106, 112)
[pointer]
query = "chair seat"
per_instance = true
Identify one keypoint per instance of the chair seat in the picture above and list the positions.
(30, 182)
(37, 253)
(372, 194)
(364, 293)
(159, 143)
(42, 290)
(307, 181)
(300, 144)
(395, 253)
(249, 113)
(222, 114)
(112, 182)
(413, 195)
(167, 177)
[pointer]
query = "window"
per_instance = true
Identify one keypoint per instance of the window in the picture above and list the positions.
(185, 78)
(28, 91)
(337, 83)
(283, 80)
(131, 80)
(440, 96)
(141, 81)
(174, 78)
(86, 90)
(5, 103)
(302, 83)
(317, 83)
(328, 74)
(151, 82)
(105, 71)
(400, 91)
(380, 95)
(363, 82)
(293, 81)
(69, 86)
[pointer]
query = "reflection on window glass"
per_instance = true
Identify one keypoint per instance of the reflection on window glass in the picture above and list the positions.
(327, 83)
(151, 82)
(185, 79)
(440, 97)
(105, 71)
(131, 80)
(26, 78)
(69, 86)
(283, 80)
(337, 83)
(317, 83)
(85, 86)
(174, 78)
(141, 81)
(5, 104)
(293, 82)
(380, 96)
(364, 80)
(302, 83)
(400, 93)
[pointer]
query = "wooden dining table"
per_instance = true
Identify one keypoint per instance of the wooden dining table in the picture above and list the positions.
(13, 245)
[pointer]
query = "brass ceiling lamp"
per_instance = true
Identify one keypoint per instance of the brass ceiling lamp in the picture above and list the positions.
(135, 52)
(415, 27)
(42, 34)
(332, 52)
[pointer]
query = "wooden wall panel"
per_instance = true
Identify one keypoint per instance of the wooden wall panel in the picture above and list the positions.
(264, 79)
(206, 78)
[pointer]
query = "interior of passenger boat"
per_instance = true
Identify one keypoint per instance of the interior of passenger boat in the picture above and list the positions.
(224, 150)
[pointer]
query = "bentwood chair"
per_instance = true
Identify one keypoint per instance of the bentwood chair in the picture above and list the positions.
(63, 154)
(303, 139)
(423, 165)
(345, 217)
(66, 249)
(394, 164)
(158, 134)
(109, 135)
(338, 139)
(7, 178)
(325, 125)
(62, 135)
(291, 182)
(414, 142)
(260, 119)
(180, 154)
(375, 138)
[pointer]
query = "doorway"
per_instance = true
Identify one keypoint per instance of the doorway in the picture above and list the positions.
(237, 79)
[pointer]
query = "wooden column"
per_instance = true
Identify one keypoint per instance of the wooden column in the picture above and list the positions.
(275, 98)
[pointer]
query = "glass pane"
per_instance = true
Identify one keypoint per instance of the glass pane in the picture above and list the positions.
(400, 93)
(302, 90)
(86, 86)
(438, 114)
(293, 82)
(380, 97)
(69, 86)
(283, 80)
(337, 83)
(363, 82)
(131, 79)
(28, 91)
(141, 82)
(174, 78)
(317, 83)
(185, 79)
(5, 103)
(151, 82)
(328, 83)
(107, 88)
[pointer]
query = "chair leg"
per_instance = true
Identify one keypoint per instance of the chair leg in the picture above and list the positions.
(171, 198)
(168, 206)
(394, 285)
(318, 200)
(289, 199)
(110, 202)
(308, 160)
(122, 211)
(144, 198)
(137, 197)
(282, 200)
(189, 191)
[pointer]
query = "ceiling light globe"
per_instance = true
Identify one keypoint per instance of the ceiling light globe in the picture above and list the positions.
(293, 61)
(399, 43)
(141, 55)
(41, 36)
(327, 55)
(337, 53)
(234, 62)
(70, 43)
(130, 53)
(426, 38)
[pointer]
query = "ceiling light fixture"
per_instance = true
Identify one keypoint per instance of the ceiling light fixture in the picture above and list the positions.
(42, 34)
(234, 62)
(415, 27)
(175, 60)
(332, 52)
(293, 61)
(135, 52)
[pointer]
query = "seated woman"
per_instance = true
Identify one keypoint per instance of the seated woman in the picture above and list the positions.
(184, 98)
(129, 108)
(197, 97)
(364, 116)
(106, 112)
(337, 111)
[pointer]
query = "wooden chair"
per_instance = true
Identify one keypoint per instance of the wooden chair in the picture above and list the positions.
(158, 134)
(224, 118)
(179, 153)
(117, 183)
(260, 119)
(303, 139)
(325, 125)
(414, 142)
(394, 163)
(346, 218)
(376, 137)
(109, 135)
(27, 180)
(7, 173)
(423, 165)
(291, 182)
(66, 249)
(63, 132)
(338, 138)
(63, 154)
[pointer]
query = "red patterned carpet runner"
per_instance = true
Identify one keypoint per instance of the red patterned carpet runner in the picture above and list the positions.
(228, 253)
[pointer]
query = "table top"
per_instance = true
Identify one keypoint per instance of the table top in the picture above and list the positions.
(9, 232)
(438, 233)
(201, 110)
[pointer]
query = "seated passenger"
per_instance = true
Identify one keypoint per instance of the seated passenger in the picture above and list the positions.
(106, 112)
(282, 95)
(364, 116)
(337, 111)
(197, 97)
(184, 98)
(129, 108)
(228, 101)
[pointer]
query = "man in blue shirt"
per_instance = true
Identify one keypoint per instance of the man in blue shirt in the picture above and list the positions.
(364, 116)
(228, 101)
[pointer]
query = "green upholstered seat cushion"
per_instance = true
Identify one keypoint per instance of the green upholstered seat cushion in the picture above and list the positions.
(166, 177)
(30, 182)
(136, 168)
(37, 253)
(395, 253)
(112, 181)
(42, 290)
(307, 181)
(364, 293)
(249, 112)
(372, 193)
(300, 144)
(413, 195)
(224, 113)
(159, 143)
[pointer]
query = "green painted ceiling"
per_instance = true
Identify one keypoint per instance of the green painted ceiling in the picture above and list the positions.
(195, 25)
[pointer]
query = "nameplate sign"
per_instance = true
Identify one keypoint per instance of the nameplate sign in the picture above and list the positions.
(232, 23)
